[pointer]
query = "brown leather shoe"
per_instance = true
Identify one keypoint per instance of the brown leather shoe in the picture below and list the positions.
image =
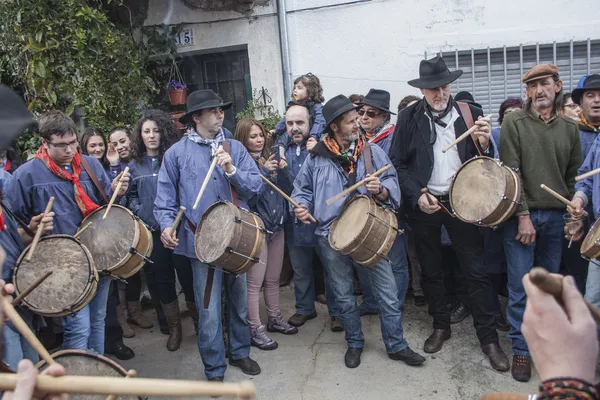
(436, 340)
(521, 368)
(498, 359)
(300, 319)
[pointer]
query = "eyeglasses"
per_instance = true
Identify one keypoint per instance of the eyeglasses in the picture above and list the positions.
(572, 106)
(370, 113)
(63, 146)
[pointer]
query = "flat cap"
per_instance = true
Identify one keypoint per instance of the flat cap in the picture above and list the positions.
(540, 71)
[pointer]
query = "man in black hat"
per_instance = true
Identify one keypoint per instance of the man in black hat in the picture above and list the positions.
(422, 131)
(340, 159)
(237, 180)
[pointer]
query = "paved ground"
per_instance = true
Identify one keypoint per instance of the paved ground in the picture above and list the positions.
(310, 365)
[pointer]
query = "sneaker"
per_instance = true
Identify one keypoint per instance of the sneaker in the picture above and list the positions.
(278, 324)
(336, 324)
(260, 339)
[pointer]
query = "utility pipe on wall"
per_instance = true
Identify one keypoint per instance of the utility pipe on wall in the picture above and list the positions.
(285, 50)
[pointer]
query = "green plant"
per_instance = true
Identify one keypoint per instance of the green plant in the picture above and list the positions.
(266, 115)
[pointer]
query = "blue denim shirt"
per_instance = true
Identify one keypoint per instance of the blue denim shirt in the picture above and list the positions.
(270, 205)
(5, 178)
(33, 184)
(316, 131)
(587, 139)
(297, 233)
(181, 175)
(12, 244)
(591, 186)
(114, 170)
(142, 189)
(322, 178)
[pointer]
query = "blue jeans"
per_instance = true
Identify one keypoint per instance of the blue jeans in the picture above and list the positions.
(339, 273)
(592, 287)
(546, 252)
(398, 259)
(210, 329)
(304, 283)
(16, 348)
(84, 330)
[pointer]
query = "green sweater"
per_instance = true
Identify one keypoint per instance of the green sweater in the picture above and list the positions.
(544, 153)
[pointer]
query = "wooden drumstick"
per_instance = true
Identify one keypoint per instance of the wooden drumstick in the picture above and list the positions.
(130, 374)
(24, 330)
(425, 191)
(115, 193)
(177, 221)
(356, 186)
(288, 198)
(552, 285)
(31, 288)
(464, 135)
(565, 201)
(102, 385)
(508, 396)
(587, 174)
(205, 183)
(80, 231)
(40, 229)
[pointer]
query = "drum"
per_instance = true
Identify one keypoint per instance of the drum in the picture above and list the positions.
(484, 192)
(364, 231)
(590, 247)
(229, 237)
(72, 284)
(83, 363)
(120, 244)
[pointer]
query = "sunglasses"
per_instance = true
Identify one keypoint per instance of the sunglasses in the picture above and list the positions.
(370, 113)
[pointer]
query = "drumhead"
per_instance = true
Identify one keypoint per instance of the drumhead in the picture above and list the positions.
(71, 280)
(478, 189)
(215, 232)
(350, 223)
(83, 363)
(110, 240)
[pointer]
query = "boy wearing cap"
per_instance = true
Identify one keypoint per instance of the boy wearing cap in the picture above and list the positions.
(543, 147)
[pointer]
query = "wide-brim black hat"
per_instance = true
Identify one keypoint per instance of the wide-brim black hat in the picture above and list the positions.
(592, 82)
(335, 107)
(466, 97)
(14, 117)
(201, 100)
(433, 74)
(379, 99)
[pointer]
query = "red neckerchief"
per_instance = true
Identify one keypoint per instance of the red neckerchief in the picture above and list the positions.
(2, 223)
(7, 165)
(347, 161)
(382, 135)
(84, 202)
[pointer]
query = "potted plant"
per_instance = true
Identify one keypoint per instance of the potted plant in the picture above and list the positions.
(177, 91)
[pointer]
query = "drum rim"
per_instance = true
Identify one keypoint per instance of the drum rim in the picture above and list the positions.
(84, 353)
(589, 238)
(147, 254)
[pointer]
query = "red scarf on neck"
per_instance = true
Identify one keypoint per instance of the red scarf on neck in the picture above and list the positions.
(2, 223)
(85, 204)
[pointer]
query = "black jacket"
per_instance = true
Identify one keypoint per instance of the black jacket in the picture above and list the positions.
(412, 149)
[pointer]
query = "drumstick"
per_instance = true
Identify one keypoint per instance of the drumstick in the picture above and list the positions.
(177, 221)
(30, 289)
(356, 186)
(205, 183)
(587, 174)
(115, 193)
(130, 374)
(102, 385)
(561, 198)
(40, 228)
(425, 191)
(552, 285)
(80, 231)
(508, 396)
(288, 198)
(24, 330)
(464, 135)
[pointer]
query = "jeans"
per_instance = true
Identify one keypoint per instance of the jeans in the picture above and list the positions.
(545, 252)
(304, 284)
(16, 348)
(339, 277)
(592, 287)
(210, 328)
(399, 261)
(84, 330)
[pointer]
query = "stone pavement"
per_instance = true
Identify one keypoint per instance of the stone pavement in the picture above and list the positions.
(310, 365)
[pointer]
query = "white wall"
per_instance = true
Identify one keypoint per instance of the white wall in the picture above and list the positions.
(379, 43)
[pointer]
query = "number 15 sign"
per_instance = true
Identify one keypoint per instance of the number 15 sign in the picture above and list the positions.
(185, 37)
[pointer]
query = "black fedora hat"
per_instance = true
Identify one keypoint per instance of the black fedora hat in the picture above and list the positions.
(335, 107)
(434, 73)
(592, 82)
(466, 97)
(14, 117)
(379, 99)
(201, 100)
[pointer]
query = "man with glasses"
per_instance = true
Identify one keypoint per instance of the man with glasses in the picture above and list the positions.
(60, 171)
(237, 180)
(423, 130)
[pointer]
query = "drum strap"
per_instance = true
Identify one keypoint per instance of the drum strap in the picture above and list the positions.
(19, 220)
(86, 165)
(368, 158)
(468, 117)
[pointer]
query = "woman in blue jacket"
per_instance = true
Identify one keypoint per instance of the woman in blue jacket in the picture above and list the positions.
(153, 135)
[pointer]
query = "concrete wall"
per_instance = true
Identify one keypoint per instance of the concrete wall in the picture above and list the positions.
(354, 45)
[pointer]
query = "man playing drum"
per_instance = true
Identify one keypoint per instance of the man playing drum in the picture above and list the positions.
(59, 170)
(339, 161)
(183, 170)
(423, 130)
